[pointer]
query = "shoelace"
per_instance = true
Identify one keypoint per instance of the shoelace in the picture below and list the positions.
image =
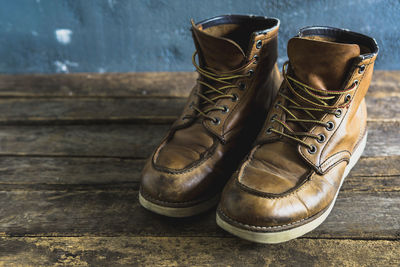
(220, 92)
(317, 100)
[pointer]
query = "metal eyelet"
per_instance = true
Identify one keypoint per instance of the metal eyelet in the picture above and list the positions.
(250, 72)
(242, 86)
(255, 57)
(259, 44)
(235, 98)
(338, 113)
(268, 131)
(361, 69)
(355, 82)
(191, 105)
(277, 103)
(225, 109)
(321, 138)
(330, 126)
(312, 149)
(216, 121)
(347, 98)
(273, 117)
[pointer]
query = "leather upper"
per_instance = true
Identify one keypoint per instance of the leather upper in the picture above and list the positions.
(197, 156)
(281, 183)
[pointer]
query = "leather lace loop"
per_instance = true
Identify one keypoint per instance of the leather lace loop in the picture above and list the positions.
(317, 101)
(214, 93)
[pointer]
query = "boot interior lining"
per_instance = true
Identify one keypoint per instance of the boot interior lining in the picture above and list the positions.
(239, 33)
(368, 45)
(363, 49)
(238, 28)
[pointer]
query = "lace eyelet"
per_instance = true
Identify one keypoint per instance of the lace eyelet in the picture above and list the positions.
(242, 86)
(312, 149)
(216, 121)
(235, 98)
(330, 126)
(338, 113)
(255, 57)
(361, 69)
(273, 117)
(277, 104)
(321, 138)
(268, 131)
(225, 109)
(191, 105)
(259, 44)
(355, 82)
(250, 72)
(347, 98)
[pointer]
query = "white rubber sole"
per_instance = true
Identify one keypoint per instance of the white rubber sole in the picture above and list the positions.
(178, 212)
(283, 236)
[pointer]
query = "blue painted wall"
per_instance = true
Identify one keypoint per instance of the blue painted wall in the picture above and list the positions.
(51, 36)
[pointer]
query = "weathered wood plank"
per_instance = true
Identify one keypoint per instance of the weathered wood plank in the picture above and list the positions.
(150, 110)
(69, 171)
(197, 251)
(177, 84)
(33, 173)
(383, 139)
(77, 98)
(89, 110)
(377, 166)
(136, 141)
(64, 111)
(361, 215)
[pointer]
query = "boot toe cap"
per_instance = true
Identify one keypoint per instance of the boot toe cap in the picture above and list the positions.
(251, 210)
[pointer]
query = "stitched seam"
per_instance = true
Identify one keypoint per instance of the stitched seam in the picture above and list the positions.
(244, 96)
(191, 167)
(267, 227)
(282, 196)
(342, 119)
(334, 158)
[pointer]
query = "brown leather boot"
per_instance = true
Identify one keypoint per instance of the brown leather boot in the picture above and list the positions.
(314, 134)
(238, 80)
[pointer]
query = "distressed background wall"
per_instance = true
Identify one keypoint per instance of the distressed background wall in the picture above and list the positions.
(50, 36)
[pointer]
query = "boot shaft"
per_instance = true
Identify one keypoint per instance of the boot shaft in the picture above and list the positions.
(340, 63)
(350, 122)
(235, 45)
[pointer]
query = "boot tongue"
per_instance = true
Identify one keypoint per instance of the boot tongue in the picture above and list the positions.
(320, 63)
(215, 51)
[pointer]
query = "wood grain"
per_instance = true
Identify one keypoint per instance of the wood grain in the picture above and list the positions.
(143, 84)
(195, 251)
(159, 84)
(133, 110)
(357, 215)
(136, 140)
(71, 151)
(133, 97)
(83, 173)
(89, 110)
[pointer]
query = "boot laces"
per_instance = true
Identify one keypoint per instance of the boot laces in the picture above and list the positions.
(317, 101)
(213, 93)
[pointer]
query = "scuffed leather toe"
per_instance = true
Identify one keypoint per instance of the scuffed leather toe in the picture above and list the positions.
(249, 209)
(188, 185)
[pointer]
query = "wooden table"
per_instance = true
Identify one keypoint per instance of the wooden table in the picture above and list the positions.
(72, 148)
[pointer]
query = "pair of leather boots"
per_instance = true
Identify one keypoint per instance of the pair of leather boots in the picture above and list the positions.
(277, 150)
